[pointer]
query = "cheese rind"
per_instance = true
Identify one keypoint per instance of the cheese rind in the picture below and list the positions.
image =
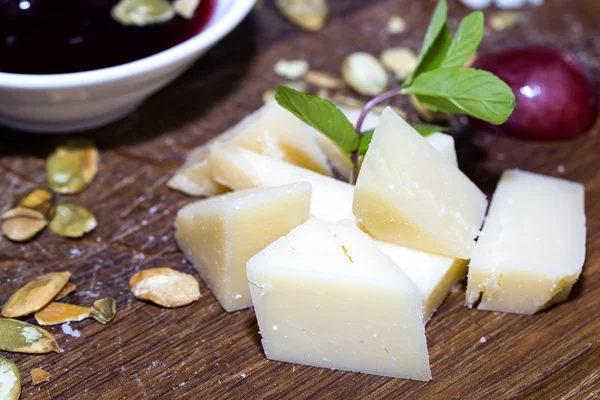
(407, 193)
(219, 235)
(434, 275)
(239, 168)
(326, 296)
(532, 247)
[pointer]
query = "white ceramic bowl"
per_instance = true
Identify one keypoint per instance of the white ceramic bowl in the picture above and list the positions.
(83, 100)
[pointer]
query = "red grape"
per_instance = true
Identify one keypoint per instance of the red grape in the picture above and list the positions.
(556, 96)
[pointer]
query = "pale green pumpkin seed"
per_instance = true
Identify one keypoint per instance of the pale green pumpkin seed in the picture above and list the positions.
(365, 74)
(142, 12)
(72, 220)
(503, 20)
(21, 224)
(104, 310)
(306, 14)
(10, 380)
(35, 295)
(72, 166)
(41, 200)
(20, 337)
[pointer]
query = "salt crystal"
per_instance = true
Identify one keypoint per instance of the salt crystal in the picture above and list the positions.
(67, 330)
(482, 339)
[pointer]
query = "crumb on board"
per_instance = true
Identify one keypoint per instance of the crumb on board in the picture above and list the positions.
(482, 339)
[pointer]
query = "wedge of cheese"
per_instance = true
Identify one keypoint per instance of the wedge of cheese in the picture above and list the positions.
(326, 296)
(444, 144)
(271, 131)
(238, 168)
(219, 235)
(407, 193)
(532, 247)
(434, 275)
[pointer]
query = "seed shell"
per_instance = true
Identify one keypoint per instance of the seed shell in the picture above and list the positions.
(35, 295)
(104, 310)
(72, 220)
(21, 224)
(20, 337)
(10, 380)
(58, 313)
(165, 287)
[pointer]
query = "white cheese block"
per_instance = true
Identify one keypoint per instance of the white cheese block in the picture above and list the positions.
(532, 247)
(220, 234)
(272, 131)
(326, 296)
(407, 193)
(433, 274)
(239, 168)
(444, 144)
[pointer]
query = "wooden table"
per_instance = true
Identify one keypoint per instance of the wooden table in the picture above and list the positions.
(201, 352)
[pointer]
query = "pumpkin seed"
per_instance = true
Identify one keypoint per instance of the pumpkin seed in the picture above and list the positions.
(10, 380)
(72, 166)
(21, 224)
(20, 337)
(291, 69)
(323, 80)
(186, 8)
(269, 95)
(503, 20)
(35, 295)
(72, 220)
(400, 60)
(306, 14)
(142, 12)
(59, 313)
(38, 376)
(165, 287)
(67, 290)
(349, 102)
(41, 200)
(396, 24)
(104, 310)
(365, 74)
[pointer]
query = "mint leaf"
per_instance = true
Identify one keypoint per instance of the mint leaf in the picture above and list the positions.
(466, 40)
(428, 129)
(321, 114)
(464, 91)
(365, 141)
(436, 26)
(437, 53)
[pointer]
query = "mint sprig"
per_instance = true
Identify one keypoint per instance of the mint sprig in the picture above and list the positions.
(439, 82)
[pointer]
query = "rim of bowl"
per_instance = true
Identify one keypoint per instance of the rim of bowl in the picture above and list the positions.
(238, 10)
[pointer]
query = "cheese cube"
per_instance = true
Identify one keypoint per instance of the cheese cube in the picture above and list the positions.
(409, 194)
(532, 247)
(220, 234)
(433, 274)
(444, 144)
(239, 168)
(326, 296)
(194, 177)
(341, 162)
(275, 132)
(271, 131)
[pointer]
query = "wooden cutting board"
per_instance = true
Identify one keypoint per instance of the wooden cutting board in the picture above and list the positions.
(201, 352)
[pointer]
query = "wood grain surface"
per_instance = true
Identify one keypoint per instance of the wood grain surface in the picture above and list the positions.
(201, 352)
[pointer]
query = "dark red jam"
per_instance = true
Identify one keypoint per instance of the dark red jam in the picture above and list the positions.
(63, 36)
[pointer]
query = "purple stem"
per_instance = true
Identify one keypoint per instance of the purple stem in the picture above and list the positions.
(372, 103)
(363, 114)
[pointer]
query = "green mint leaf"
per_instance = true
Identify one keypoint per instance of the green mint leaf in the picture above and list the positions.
(365, 141)
(321, 114)
(436, 26)
(466, 40)
(464, 91)
(437, 53)
(428, 129)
